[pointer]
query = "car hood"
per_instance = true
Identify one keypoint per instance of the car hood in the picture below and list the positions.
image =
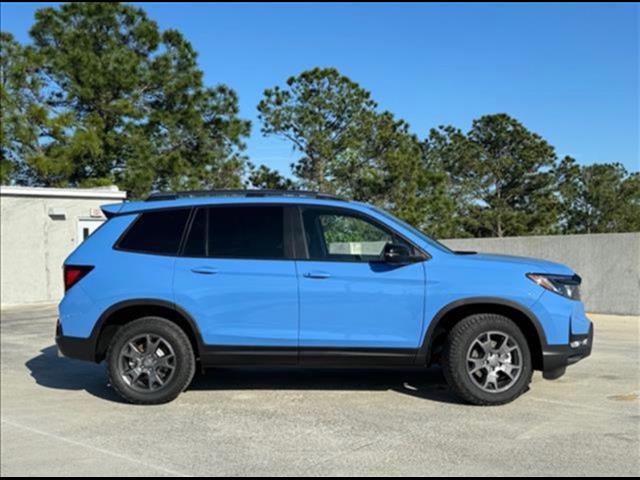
(534, 265)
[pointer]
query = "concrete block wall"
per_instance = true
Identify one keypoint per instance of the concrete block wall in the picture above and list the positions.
(609, 264)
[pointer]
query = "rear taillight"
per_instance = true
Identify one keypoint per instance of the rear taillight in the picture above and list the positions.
(73, 274)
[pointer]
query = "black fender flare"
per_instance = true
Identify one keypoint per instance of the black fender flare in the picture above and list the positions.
(147, 302)
(424, 351)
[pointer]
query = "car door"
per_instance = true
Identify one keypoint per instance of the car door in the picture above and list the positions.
(236, 277)
(354, 307)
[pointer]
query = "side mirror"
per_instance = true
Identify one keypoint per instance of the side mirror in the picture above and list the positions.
(396, 254)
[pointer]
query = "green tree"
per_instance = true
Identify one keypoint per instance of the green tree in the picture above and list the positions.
(135, 110)
(386, 169)
(599, 198)
(265, 177)
(28, 124)
(347, 146)
(500, 175)
(445, 153)
(322, 113)
(15, 131)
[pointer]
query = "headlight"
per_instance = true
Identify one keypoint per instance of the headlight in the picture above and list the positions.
(565, 285)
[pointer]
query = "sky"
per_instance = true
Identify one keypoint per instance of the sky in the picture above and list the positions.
(569, 72)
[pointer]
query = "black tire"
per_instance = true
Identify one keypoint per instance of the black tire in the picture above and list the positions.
(182, 368)
(456, 368)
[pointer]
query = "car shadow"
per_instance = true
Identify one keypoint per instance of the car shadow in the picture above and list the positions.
(60, 373)
(428, 384)
(55, 372)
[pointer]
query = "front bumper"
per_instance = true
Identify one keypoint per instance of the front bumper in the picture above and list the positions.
(75, 347)
(556, 358)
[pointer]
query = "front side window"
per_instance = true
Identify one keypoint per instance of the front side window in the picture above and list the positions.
(334, 235)
(255, 232)
(157, 232)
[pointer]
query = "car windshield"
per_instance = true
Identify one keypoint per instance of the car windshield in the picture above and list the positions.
(423, 236)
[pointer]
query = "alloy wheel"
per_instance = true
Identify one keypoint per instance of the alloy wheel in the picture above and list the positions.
(494, 361)
(147, 362)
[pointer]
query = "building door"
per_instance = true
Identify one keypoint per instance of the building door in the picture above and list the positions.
(86, 226)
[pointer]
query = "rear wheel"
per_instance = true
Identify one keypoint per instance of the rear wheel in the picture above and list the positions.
(150, 361)
(487, 360)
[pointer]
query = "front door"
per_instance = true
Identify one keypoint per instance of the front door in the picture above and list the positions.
(237, 279)
(354, 308)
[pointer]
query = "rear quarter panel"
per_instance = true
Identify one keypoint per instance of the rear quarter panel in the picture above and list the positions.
(117, 276)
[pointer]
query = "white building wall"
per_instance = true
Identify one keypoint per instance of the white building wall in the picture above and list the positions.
(35, 239)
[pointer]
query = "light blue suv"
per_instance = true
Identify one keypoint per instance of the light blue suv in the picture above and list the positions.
(252, 277)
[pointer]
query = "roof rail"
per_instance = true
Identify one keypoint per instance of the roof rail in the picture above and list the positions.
(156, 196)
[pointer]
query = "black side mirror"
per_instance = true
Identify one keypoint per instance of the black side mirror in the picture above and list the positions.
(396, 253)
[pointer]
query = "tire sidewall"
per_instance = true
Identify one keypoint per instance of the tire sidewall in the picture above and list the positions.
(457, 360)
(185, 360)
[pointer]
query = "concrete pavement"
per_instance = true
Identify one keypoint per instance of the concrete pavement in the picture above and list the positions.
(59, 417)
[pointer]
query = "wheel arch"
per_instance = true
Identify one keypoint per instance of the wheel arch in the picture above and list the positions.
(452, 313)
(127, 311)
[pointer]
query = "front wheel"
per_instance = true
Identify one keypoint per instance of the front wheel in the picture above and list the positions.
(150, 361)
(487, 360)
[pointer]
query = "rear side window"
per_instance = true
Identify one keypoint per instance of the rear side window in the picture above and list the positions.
(237, 232)
(156, 232)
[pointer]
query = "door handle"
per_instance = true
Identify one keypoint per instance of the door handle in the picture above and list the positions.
(205, 270)
(316, 274)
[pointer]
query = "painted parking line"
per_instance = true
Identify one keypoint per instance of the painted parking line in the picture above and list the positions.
(95, 449)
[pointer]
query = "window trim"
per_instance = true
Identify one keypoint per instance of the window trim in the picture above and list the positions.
(287, 233)
(187, 232)
(116, 246)
(294, 234)
(421, 256)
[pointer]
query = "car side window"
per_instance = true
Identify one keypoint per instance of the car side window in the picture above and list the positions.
(156, 232)
(251, 232)
(340, 236)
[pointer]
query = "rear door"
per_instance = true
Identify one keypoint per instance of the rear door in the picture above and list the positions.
(237, 278)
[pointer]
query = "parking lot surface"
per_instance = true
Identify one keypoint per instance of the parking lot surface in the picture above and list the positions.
(59, 417)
